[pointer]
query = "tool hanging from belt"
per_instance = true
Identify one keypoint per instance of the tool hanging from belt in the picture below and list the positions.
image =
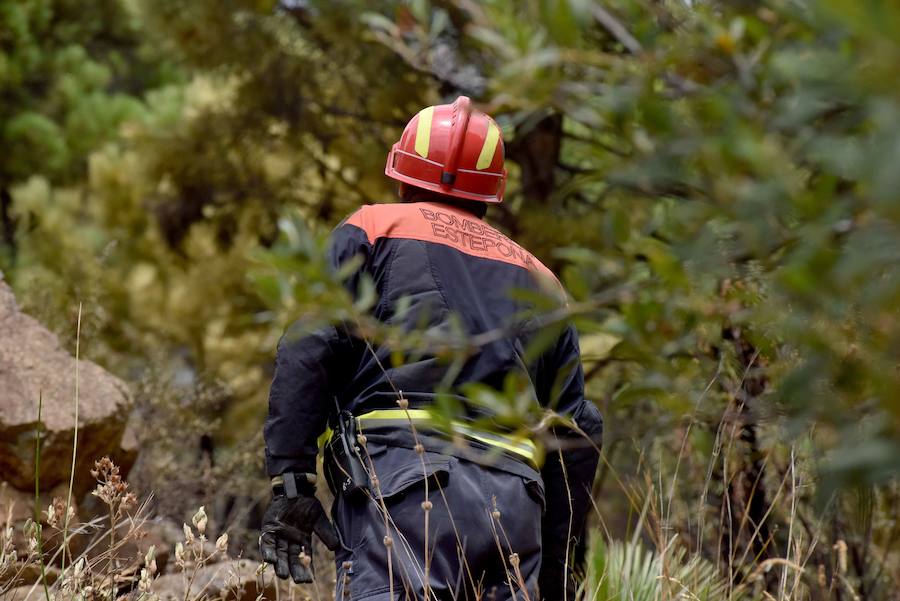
(344, 467)
(349, 474)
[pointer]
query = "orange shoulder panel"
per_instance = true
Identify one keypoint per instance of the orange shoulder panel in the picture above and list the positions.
(443, 224)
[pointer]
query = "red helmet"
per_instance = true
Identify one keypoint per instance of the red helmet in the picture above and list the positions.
(451, 149)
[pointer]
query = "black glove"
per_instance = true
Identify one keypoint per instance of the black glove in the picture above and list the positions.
(287, 529)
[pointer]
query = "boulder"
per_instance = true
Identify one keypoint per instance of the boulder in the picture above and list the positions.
(233, 580)
(33, 365)
(15, 505)
(26, 575)
(127, 453)
(132, 545)
(18, 505)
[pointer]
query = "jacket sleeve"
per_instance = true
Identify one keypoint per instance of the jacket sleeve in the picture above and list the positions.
(568, 473)
(309, 372)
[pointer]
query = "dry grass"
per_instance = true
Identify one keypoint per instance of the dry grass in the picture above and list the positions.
(684, 542)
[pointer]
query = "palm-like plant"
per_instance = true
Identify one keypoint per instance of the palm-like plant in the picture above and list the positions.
(627, 571)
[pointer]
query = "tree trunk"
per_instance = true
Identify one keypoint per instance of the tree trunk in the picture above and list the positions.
(536, 149)
(746, 489)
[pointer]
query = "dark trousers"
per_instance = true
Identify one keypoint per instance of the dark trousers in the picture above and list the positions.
(484, 531)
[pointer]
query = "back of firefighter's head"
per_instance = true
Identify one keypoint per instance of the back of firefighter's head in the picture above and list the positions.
(450, 153)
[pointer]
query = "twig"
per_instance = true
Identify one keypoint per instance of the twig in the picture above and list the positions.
(618, 31)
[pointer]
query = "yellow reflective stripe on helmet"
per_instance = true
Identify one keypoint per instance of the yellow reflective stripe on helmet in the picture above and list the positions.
(423, 131)
(490, 147)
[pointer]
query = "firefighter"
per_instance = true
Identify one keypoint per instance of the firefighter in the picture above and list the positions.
(416, 512)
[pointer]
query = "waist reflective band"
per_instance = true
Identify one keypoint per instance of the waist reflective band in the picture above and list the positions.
(401, 418)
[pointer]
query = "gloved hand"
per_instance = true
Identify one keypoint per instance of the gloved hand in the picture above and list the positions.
(287, 529)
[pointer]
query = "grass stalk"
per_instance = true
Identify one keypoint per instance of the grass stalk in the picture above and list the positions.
(495, 519)
(784, 572)
(111, 567)
(565, 473)
(65, 537)
(37, 497)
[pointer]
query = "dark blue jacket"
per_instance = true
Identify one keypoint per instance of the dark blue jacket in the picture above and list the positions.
(439, 269)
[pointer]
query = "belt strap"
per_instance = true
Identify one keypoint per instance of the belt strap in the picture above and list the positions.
(518, 445)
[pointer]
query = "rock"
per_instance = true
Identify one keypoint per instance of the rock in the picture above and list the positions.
(33, 364)
(233, 580)
(18, 505)
(24, 593)
(132, 544)
(127, 452)
(153, 538)
(15, 504)
(24, 575)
